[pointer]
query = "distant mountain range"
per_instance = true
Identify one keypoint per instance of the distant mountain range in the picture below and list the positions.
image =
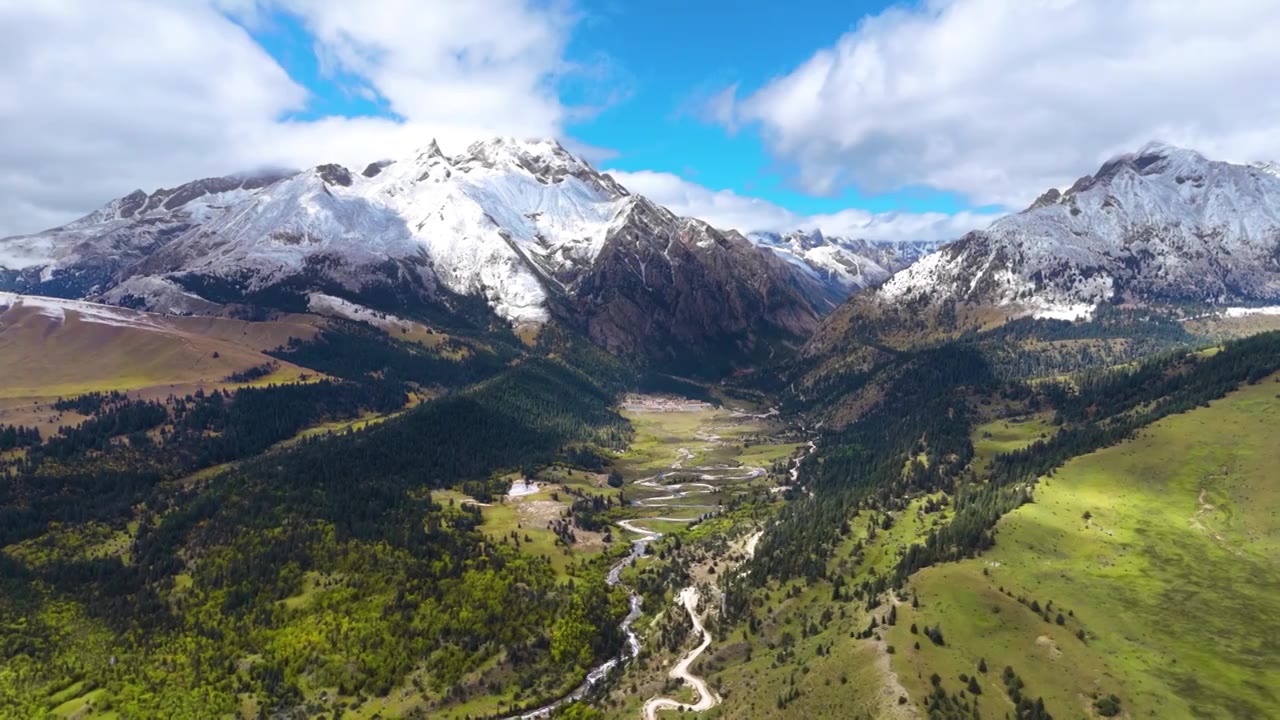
(843, 265)
(535, 232)
(524, 232)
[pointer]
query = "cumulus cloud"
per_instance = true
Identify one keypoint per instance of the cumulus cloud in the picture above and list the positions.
(1000, 99)
(727, 209)
(100, 98)
(470, 64)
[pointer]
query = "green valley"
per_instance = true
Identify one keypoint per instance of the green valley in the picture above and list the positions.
(486, 434)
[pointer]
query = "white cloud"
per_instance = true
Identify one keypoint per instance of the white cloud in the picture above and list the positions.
(1000, 99)
(477, 63)
(728, 209)
(99, 98)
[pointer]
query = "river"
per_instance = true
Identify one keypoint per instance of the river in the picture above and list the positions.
(688, 596)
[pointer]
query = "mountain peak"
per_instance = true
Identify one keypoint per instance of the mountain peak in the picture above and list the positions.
(1160, 148)
(1269, 167)
(333, 174)
(1153, 158)
(808, 239)
(500, 150)
(1160, 224)
(545, 159)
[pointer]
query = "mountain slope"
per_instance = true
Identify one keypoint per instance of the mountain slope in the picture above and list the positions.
(1163, 224)
(841, 266)
(528, 228)
(1198, 484)
(1163, 229)
(51, 347)
(496, 222)
(80, 257)
(680, 287)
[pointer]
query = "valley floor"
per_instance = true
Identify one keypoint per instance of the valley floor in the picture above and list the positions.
(689, 467)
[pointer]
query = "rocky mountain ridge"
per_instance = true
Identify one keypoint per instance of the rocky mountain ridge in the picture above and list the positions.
(1152, 243)
(535, 232)
(1161, 225)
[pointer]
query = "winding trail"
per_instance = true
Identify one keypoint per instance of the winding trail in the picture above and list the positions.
(707, 698)
(794, 474)
(688, 597)
(1206, 509)
(753, 542)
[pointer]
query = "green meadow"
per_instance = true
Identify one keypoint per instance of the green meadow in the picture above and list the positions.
(1162, 555)
(1006, 435)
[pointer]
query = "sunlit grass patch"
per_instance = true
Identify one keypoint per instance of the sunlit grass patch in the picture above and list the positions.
(1163, 551)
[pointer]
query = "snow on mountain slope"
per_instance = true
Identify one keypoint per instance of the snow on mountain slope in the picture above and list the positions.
(1268, 167)
(828, 259)
(1163, 224)
(534, 231)
(51, 347)
(82, 256)
(331, 306)
(57, 309)
(499, 220)
(846, 264)
(484, 216)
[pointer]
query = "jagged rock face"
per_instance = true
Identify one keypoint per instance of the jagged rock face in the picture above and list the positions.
(507, 221)
(1157, 226)
(689, 295)
(525, 226)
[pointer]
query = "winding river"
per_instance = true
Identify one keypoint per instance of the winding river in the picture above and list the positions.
(688, 597)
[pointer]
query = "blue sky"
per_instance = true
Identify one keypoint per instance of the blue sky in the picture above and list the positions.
(647, 70)
(921, 119)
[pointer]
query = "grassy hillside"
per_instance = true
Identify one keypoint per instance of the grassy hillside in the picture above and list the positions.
(46, 354)
(1006, 435)
(1164, 551)
(975, 545)
(1137, 501)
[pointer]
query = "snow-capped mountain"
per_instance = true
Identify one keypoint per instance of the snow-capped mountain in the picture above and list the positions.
(841, 265)
(498, 221)
(1269, 167)
(1162, 225)
(526, 226)
(85, 255)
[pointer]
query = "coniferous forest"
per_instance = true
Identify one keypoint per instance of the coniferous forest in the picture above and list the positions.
(228, 529)
(917, 440)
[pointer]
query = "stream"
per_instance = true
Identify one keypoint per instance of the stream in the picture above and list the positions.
(688, 596)
(601, 671)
